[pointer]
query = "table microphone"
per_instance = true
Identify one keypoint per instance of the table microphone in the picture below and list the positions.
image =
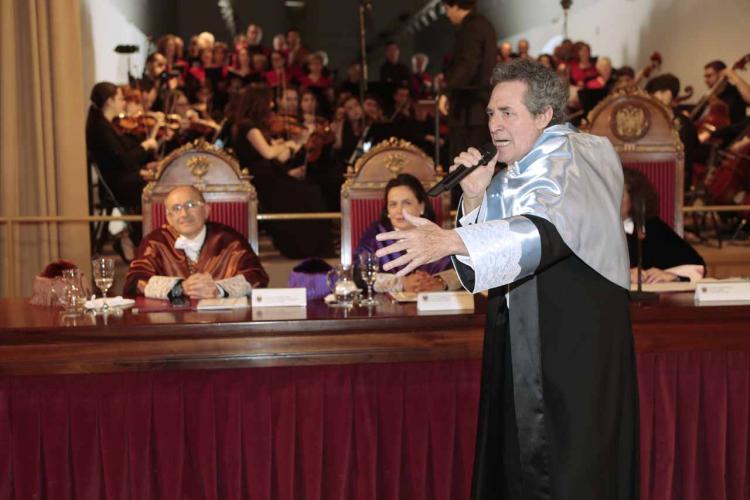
(488, 151)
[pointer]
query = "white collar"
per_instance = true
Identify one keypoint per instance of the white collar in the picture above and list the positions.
(192, 247)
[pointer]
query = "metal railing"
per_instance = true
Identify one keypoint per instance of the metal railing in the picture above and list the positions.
(10, 256)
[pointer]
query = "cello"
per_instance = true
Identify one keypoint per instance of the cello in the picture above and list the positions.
(710, 113)
(728, 183)
(654, 62)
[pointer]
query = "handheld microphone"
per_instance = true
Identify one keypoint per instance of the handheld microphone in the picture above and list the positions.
(488, 151)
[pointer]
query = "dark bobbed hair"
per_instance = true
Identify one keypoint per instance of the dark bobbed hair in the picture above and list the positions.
(416, 187)
(641, 192)
(667, 81)
(101, 92)
(544, 88)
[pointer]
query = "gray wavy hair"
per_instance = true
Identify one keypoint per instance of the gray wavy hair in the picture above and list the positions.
(544, 87)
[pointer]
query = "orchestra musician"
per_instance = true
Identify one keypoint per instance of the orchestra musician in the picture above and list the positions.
(665, 88)
(278, 168)
(118, 156)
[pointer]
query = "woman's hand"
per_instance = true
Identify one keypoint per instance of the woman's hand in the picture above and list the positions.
(652, 275)
(420, 281)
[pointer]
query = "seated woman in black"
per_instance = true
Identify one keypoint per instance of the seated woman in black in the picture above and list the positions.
(118, 156)
(279, 169)
(666, 256)
(405, 193)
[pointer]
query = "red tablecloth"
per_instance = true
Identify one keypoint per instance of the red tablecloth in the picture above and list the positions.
(376, 431)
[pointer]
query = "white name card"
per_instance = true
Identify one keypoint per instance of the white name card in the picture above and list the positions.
(279, 297)
(722, 292)
(445, 301)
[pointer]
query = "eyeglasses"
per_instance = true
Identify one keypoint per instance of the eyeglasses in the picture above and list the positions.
(189, 205)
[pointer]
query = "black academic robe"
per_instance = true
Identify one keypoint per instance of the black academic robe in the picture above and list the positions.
(573, 434)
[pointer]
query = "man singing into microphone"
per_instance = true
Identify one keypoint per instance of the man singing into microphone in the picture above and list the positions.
(558, 407)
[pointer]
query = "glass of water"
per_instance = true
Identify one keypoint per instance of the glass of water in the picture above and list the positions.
(104, 276)
(368, 267)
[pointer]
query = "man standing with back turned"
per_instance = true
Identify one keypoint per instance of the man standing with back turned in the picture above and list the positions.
(468, 75)
(559, 404)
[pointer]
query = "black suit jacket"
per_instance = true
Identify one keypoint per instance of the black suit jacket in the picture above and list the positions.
(468, 77)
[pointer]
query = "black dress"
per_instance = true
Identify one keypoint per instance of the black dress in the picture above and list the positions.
(280, 193)
(119, 158)
(662, 247)
(590, 399)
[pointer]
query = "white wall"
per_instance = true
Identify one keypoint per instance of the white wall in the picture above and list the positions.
(105, 27)
(688, 33)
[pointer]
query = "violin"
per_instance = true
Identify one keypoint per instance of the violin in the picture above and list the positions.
(320, 138)
(200, 126)
(285, 125)
(143, 124)
(711, 113)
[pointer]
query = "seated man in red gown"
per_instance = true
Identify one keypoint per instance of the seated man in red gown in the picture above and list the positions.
(190, 256)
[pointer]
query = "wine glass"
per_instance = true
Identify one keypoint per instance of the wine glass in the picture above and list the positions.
(104, 276)
(368, 267)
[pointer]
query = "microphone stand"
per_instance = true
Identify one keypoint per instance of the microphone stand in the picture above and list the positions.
(437, 129)
(358, 149)
(640, 233)
(364, 5)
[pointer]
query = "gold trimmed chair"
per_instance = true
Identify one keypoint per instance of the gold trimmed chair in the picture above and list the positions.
(644, 134)
(225, 186)
(362, 191)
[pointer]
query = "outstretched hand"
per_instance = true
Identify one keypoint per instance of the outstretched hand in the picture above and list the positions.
(426, 242)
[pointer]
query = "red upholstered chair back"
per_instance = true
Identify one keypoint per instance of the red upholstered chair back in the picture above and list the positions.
(644, 135)
(232, 213)
(217, 175)
(362, 193)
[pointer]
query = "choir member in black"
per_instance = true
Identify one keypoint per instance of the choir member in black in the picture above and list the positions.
(157, 80)
(278, 169)
(666, 256)
(349, 124)
(421, 80)
(558, 410)
(322, 170)
(353, 80)
(118, 156)
(296, 52)
(393, 71)
(253, 41)
(665, 88)
(467, 76)
(505, 52)
(523, 49)
(242, 73)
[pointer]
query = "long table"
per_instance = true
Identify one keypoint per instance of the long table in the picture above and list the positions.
(326, 403)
